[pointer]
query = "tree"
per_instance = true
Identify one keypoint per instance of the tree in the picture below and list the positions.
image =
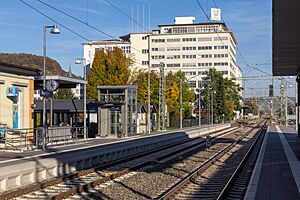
(140, 78)
(222, 94)
(109, 68)
(63, 94)
(173, 95)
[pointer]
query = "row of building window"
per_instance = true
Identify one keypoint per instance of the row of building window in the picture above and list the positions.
(190, 56)
(191, 48)
(189, 39)
(193, 64)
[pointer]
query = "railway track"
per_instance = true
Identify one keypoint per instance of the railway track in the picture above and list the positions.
(224, 176)
(63, 187)
(150, 181)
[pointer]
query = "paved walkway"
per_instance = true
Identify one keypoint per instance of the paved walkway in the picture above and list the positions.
(7, 158)
(277, 171)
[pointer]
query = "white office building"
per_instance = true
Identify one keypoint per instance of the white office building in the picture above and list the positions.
(187, 46)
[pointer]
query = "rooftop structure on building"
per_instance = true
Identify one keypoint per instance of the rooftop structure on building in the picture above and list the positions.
(185, 45)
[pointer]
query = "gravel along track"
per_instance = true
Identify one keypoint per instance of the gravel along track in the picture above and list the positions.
(209, 184)
(150, 181)
(53, 191)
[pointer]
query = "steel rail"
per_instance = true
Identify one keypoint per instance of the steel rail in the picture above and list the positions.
(183, 182)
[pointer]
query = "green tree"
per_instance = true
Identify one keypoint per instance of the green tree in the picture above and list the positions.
(173, 95)
(140, 78)
(63, 94)
(109, 68)
(222, 93)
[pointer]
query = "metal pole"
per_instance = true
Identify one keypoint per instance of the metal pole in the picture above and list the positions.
(181, 104)
(149, 105)
(44, 87)
(273, 103)
(286, 103)
(296, 104)
(51, 111)
(199, 105)
(212, 107)
(84, 101)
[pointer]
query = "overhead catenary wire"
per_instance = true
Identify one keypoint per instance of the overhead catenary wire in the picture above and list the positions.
(97, 29)
(55, 21)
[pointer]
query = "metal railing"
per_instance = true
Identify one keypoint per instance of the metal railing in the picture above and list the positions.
(32, 138)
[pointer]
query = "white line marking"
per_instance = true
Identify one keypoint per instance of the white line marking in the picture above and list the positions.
(293, 161)
(253, 183)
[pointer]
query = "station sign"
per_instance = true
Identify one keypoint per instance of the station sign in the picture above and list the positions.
(12, 91)
(45, 93)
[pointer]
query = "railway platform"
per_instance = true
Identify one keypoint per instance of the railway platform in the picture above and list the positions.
(19, 169)
(277, 170)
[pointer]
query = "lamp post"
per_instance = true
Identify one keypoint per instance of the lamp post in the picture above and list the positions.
(78, 61)
(54, 30)
(181, 105)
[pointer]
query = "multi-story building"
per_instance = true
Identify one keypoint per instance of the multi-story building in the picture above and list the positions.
(187, 46)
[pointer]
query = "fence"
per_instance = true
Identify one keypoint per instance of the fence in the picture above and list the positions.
(29, 139)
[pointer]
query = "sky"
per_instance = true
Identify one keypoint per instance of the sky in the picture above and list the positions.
(21, 26)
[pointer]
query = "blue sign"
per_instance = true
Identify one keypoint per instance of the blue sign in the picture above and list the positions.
(12, 91)
(2, 132)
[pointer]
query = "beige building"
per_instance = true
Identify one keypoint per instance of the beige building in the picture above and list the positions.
(187, 46)
(17, 96)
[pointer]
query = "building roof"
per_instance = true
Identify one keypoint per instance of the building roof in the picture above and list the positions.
(63, 81)
(66, 105)
(285, 38)
(19, 70)
(202, 23)
(117, 87)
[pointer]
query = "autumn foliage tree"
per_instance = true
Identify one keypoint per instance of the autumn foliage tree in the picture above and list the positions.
(109, 68)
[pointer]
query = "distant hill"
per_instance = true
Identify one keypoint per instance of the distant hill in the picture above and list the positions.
(34, 61)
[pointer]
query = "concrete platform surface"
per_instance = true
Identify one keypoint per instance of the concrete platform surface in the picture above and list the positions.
(276, 174)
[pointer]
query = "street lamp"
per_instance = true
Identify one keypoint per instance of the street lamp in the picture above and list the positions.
(54, 30)
(78, 61)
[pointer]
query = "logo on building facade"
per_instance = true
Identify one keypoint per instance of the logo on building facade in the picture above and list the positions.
(12, 91)
(215, 14)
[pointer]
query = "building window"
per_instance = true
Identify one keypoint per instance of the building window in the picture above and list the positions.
(182, 29)
(158, 57)
(221, 47)
(220, 38)
(192, 84)
(144, 38)
(204, 39)
(173, 40)
(205, 55)
(221, 64)
(188, 56)
(158, 49)
(145, 62)
(173, 65)
(205, 48)
(155, 65)
(189, 64)
(126, 49)
(145, 51)
(221, 56)
(158, 40)
(188, 39)
(173, 56)
(189, 48)
(173, 48)
(204, 64)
